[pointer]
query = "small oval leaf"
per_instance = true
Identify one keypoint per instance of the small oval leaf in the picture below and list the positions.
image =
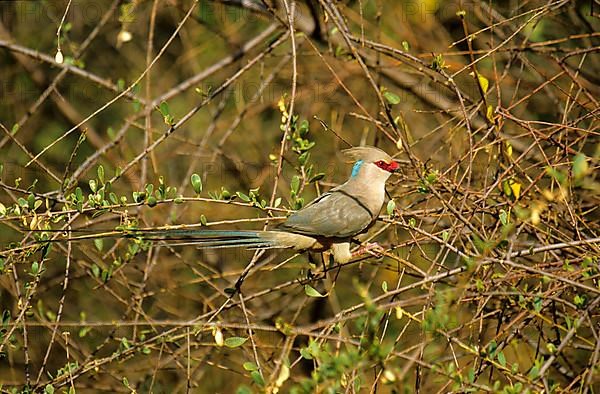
(250, 366)
(196, 183)
(311, 292)
(391, 206)
(483, 82)
(391, 98)
(234, 342)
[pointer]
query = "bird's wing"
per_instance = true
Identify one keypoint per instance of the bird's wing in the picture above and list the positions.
(334, 214)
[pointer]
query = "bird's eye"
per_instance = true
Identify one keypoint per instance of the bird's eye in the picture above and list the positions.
(389, 167)
(382, 164)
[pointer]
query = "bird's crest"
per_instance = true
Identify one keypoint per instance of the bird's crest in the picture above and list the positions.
(368, 154)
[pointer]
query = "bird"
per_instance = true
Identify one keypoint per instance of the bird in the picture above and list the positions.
(326, 224)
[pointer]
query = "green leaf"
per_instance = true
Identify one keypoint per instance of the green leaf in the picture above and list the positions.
(580, 166)
(405, 46)
(534, 372)
(243, 389)
(492, 348)
(78, 194)
(113, 198)
(316, 177)
(93, 185)
(501, 359)
(258, 379)
(391, 98)
(99, 244)
(2, 210)
(391, 206)
(303, 129)
(556, 174)
(503, 217)
(96, 270)
(30, 200)
(242, 196)
(295, 184)
(438, 63)
(101, 174)
(445, 235)
(152, 201)
(305, 353)
(22, 202)
(196, 183)
(234, 342)
(5, 317)
(311, 292)
(164, 108)
(506, 188)
(250, 366)
(303, 158)
(49, 389)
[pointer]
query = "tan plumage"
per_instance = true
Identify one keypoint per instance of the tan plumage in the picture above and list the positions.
(328, 223)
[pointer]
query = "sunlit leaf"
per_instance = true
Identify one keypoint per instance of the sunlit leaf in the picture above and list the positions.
(391, 206)
(483, 83)
(196, 183)
(580, 166)
(489, 113)
(515, 187)
(391, 98)
(99, 244)
(284, 375)
(311, 292)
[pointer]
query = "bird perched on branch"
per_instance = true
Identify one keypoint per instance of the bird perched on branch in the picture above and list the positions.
(327, 223)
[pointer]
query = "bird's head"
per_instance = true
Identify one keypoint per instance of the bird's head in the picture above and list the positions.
(371, 162)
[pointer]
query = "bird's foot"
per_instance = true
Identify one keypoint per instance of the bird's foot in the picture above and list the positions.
(372, 248)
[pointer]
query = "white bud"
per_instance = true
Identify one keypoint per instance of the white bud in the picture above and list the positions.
(58, 58)
(124, 36)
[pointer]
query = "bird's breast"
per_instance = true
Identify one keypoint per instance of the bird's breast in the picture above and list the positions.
(371, 197)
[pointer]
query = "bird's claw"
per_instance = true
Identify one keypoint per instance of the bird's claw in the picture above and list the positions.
(372, 248)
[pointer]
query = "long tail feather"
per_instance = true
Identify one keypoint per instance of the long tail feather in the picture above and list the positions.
(237, 239)
(213, 239)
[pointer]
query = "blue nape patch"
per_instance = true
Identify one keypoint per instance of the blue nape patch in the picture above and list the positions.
(356, 168)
